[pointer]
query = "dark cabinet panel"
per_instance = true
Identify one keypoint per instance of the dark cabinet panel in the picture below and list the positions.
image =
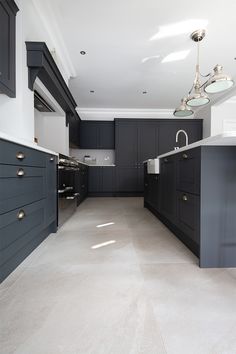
(147, 141)
(28, 205)
(127, 179)
(51, 189)
(94, 179)
(97, 135)
(14, 154)
(74, 130)
(108, 179)
(126, 144)
(106, 135)
(88, 135)
(101, 179)
(168, 188)
(188, 215)
(8, 10)
(168, 130)
(188, 171)
(20, 186)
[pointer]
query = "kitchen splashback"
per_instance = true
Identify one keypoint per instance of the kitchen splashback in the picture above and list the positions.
(103, 157)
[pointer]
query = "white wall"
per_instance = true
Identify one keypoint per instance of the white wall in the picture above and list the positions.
(51, 132)
(103, 157)
(223, 117)
(17, 114)
(205, 114)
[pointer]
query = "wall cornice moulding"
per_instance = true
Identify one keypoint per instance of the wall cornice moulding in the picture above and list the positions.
(111, 113)
(44, 8)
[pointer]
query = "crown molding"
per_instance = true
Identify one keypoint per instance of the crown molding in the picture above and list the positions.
(87, 113)
(55, 35)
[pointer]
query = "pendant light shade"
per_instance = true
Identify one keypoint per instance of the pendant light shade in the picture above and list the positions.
(216, 82)
(219, 82)
(183, 110)
(198, 98)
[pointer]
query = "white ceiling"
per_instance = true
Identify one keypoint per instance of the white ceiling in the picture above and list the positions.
(116, 37)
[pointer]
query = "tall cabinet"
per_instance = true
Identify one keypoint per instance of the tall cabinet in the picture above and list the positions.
(135, 141)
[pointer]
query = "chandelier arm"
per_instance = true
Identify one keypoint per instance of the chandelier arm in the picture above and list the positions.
(191, 89)
(205, 75)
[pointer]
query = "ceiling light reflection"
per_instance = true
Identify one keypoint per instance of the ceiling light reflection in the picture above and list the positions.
(103, 244)
(175, 56)
(107, 224)
(178, 28)
(144, 60)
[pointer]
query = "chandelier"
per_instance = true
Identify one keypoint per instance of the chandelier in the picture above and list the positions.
(216, 82)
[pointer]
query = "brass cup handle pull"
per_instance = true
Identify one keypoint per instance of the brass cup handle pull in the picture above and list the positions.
(21, 215)
(184, 198)
(20, 172)
(20, 155)
(51, 159)
(165, 160)
(185, 156)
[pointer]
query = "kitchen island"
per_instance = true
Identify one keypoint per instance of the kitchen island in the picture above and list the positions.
(194, 195)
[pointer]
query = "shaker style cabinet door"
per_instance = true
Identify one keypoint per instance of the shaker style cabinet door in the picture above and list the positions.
(8, 10)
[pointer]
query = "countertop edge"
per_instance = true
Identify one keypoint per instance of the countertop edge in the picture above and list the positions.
(227, 138)
(25, 143)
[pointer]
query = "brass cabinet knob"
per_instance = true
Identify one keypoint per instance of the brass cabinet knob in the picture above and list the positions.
(20, 155)
(185, 156)
(184, 198)
(21, 214)
(20, 172)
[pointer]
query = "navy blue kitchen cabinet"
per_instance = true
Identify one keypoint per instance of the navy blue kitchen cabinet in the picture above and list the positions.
(82, 183)
(74, 130)
(8, 10)
(101, 181)
(97, 135)
(140, 139)
(28, 202)
(197, 201)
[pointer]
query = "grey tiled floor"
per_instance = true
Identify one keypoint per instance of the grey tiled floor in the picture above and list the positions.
(142, 293)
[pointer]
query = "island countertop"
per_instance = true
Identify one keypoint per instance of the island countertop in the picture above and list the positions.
(227, 138)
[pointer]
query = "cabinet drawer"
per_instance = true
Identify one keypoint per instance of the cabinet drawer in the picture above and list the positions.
(17, 191)
(13, 154)
(18, 227)
(188, 215)
(188, 171)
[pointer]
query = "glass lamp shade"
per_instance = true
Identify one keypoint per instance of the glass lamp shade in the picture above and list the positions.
(218, 82)
(183, 110)
(198, 99)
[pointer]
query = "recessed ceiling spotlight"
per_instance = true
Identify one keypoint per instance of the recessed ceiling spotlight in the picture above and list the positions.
(82, 52)
(92, 91)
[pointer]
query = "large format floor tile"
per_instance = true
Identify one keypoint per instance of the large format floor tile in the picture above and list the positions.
(129, 287)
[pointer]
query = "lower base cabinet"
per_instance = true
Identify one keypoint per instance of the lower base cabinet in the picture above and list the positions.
(101, 180)
(28, 202)
(188, 215)
(200, 192)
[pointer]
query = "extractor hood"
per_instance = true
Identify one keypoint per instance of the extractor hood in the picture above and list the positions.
(40, 103)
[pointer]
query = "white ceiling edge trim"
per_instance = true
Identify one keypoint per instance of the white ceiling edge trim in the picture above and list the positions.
(55, 34)
(111, 113)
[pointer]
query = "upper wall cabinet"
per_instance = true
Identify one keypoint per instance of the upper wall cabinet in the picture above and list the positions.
(97, 135)
(8, 10)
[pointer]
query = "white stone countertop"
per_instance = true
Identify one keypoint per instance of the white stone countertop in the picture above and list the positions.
(26, 143)
(224, 139)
